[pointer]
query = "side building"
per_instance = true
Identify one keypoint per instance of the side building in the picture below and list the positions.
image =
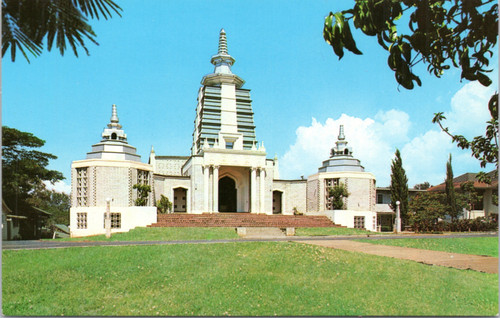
(343, 169)
(109, 172)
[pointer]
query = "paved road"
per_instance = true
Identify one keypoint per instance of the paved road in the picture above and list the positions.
(480, 263)
(19, 245)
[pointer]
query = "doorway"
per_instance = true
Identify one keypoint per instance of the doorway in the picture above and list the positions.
(180, 200)
(227, 195)
(277, 195)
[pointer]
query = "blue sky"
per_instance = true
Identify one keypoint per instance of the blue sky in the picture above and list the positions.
(151, 60)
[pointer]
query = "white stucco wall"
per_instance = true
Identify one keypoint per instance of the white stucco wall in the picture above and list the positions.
(294, 195)
(131, 217)
(346, 218)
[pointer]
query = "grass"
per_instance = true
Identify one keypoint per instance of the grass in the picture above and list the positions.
(323, 231)
(251, 278)
(165, 234)
(471, 245)
(203, 233)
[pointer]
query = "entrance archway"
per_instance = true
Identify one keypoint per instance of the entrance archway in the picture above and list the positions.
(227, 195)
(180, 201)
(277, 195)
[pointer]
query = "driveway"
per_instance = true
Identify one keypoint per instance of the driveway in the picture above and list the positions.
(479, 263)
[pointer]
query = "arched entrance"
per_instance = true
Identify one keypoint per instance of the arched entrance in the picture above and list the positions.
(277, 195)
(180, 201)
(227, 195)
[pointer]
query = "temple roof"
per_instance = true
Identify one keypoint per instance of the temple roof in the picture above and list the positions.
(341, 158)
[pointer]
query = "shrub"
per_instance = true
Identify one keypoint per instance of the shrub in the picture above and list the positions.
(480, 224)
(296, 212)
(164, 205)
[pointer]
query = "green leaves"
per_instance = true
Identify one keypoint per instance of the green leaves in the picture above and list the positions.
(337, 194)
(23, 168)
(26, 24)
(337, 33)
(143, 191)
(399, 61)
(164, 205)
(399, 185)
(442, 33)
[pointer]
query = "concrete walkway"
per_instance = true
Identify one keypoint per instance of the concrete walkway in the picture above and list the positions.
(479, 263)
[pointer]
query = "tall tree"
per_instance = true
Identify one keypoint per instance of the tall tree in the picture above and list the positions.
(53, 202)
(24, 169)
(439, 33)
(26, 24)
(426, 209)
(451, 200)
(399, 187)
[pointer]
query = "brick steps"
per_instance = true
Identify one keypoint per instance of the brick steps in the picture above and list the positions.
(242, 220)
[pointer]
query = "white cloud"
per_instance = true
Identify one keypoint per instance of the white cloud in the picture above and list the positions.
(374, 141)
(469, 111)
(59, 186)
(369, 138)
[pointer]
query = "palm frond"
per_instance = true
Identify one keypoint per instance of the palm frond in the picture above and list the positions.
(94, 7)
(63, 23)
(14, 37)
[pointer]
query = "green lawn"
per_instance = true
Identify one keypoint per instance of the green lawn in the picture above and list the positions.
(165, 234)
(245, 278)
(469, 245)
(204, 233)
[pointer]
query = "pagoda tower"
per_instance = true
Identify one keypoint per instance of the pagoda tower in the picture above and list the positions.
(224, 115)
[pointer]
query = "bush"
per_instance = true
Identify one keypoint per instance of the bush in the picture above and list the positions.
(164, 205)
(297, 212)
(464, 225)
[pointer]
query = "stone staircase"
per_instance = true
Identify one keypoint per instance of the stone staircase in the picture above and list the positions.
(241, 220)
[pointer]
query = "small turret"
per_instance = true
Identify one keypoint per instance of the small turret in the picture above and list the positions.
(341, 158)
(114, 131)
(341, 148)
(114, 145)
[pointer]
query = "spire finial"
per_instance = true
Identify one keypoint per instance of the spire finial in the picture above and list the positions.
(114, 119)
(222, 42)
(222, 61)
(341, 133)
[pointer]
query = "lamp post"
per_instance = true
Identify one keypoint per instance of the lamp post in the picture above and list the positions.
(398, 218)
(107, 218)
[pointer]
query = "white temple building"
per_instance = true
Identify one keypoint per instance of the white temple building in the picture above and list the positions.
(227, 170)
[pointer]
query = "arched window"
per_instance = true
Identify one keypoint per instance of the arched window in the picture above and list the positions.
(113, 136)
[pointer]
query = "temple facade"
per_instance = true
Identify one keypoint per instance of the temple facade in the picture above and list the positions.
(227, 169)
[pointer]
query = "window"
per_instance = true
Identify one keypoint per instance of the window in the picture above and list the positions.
(116, 220)
(359, 222)
(380, 198)
(330, 183)
(142, 177)
(81, 220)
(81, 187)
(229, 145)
